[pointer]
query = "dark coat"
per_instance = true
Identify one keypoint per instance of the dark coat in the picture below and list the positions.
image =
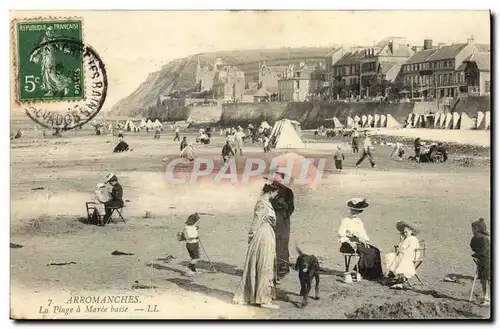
(480, 245)
(116, 196)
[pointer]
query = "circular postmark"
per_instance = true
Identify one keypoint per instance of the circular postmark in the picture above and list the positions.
(89, 79)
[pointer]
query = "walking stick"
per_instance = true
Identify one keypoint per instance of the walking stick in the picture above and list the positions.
(211, 265)
(472, 289)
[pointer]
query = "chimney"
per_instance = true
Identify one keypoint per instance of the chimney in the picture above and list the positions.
(394, 46)
(427, 44)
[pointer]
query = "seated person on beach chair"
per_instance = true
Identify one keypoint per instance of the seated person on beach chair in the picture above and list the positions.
(116, 200)
(122, 146)
(203, 138)
(96, 210)
(188, 153)
(399, 264)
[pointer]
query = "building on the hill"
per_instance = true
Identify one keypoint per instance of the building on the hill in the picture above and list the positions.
(381, 64)
(299, 85)
(331, 58)
(346, 73)
(435, 70)
(229, 83)
(269, 75)
(475, 73)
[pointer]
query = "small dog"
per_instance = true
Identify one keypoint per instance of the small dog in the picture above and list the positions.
(308, 268)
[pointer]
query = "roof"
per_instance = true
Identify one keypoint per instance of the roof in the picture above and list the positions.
(481, 59)
(385, 67)
(483, 47)
(393, 72)
(421, 56)
(349, 58)
(447, 52)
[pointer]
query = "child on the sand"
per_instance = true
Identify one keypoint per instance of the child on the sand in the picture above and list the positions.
(480, 245)
(338, 157)
(191, 236)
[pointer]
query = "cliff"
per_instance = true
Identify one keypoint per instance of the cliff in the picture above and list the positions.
(180, 74)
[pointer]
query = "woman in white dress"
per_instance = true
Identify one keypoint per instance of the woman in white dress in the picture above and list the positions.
(257, 283)
(400, 264)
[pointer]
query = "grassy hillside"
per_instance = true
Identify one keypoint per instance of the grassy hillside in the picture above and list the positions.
(180, 74)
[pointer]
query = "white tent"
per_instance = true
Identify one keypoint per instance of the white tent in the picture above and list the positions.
(265, 125)
(456, 119)
(142, 124)
(383, 121)
(350, 123)
(465, 122)
(448, 121)
(364, 120)
(370, 120)
(129, 125)
(480, 120)
(437, 118)
(391, 122)
(415, 120)
(157, 124)
(409, 119)
(357, 120)
(376, 120)
(285, 136)
(335, 122)
(487, 120)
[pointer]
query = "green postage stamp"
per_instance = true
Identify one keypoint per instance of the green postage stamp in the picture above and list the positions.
(46, 71)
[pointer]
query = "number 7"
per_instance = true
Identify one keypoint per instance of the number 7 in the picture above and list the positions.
(50, 302)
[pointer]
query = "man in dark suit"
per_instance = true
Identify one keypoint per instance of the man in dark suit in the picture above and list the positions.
(116, 200)
(284, 207)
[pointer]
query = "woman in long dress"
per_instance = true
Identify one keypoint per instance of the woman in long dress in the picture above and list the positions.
(400, 264)
(354, 239)
(257, 283)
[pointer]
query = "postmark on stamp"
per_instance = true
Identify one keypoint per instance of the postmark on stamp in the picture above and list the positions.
(61, 81)
(46, 71)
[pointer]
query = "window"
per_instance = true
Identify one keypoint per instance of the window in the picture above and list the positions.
(445, 80)
(445, 64)
(440, 79)
(450, 63)
(297, 84)
(487, 86)
(450, 78)
(435, 65)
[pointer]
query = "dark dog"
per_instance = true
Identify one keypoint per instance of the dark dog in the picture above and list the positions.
(308, 267)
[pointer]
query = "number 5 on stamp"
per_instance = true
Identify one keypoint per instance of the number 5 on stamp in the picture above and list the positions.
(46, 71)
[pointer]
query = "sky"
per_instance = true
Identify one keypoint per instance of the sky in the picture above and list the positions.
(133, 44)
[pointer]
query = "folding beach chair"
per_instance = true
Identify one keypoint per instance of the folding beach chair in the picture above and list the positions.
(418, 258)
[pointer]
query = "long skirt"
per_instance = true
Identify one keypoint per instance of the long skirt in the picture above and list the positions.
(370, 263)
(282, 244)
(257, 282)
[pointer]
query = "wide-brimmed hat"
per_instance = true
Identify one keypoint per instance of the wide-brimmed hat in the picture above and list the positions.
(357, 204)
(111, 176)
(100, 185)
(402, 224)
(192, 219)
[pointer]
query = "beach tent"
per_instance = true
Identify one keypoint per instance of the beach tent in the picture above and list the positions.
(284, 135)
(456, 119)
(465, 122)
(128, 125)
(391, 122)
(480, 120)
(369, 123)
(350, 123)
(409, 119)
(449, 121)
(487, 119)
(437, 118)
(142, 124)
(376, 120)
(364, 120)
(157, 124)
(357, 120)
(383, 121)
(335, 122)
(415, 121)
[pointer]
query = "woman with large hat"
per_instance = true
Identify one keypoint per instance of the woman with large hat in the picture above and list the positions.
(400, 263)
(353, 239)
